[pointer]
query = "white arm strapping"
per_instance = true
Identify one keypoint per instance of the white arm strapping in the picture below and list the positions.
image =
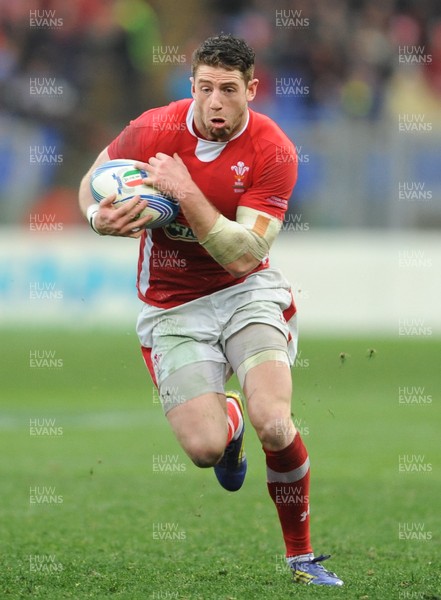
(91, 214)
(253, 232)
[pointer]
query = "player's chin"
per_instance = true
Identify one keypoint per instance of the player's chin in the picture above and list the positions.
(220, 134)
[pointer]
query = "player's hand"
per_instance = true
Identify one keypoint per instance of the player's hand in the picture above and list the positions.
(121, 220)
(167, 173)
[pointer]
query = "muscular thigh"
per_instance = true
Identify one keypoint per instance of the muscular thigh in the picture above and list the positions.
(190, 381)
(259, 354)
(255, 344)
(200, 426)
(194, 402)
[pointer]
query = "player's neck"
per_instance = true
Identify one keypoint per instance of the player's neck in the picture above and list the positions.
(199, 134)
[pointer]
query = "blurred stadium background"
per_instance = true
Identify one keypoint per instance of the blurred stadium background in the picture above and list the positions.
(356, 85)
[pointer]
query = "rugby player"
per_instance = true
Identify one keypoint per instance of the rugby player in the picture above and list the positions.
(220, 308)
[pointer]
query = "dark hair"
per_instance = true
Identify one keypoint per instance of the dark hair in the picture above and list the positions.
(225, 51)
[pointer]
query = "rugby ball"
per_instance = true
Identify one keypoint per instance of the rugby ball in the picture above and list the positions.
(120, 177)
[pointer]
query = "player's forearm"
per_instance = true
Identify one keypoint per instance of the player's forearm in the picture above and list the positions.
(242, 266)
(85, 198)
(199, 212)
(202, 216)
(239, 246)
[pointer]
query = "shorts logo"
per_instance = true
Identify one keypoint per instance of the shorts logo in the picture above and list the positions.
(156, 361)
(240, 170)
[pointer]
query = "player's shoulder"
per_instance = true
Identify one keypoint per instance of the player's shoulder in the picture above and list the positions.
(265, 132)
(170, 113)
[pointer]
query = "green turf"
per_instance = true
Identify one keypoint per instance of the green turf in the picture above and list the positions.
(99, 541)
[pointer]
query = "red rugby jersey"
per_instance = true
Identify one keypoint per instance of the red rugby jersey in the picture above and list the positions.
(257, 168)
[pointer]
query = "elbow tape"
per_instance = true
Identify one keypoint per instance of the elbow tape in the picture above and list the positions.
(253, 233)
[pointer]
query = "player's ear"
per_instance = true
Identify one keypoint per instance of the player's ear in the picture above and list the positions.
(193, 89)
(252, 89)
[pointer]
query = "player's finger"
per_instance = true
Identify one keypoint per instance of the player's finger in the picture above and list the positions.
(135, 234)
(137, 224)
(142, 166)
(133, 207)
(153, 160)
(141, 222)
(161, 155)
(178, 159)
(149, 181)
(108, 200)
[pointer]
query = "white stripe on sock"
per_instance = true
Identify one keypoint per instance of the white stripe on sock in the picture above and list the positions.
(290, 476)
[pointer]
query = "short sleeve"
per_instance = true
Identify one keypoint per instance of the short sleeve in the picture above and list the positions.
(274, 180)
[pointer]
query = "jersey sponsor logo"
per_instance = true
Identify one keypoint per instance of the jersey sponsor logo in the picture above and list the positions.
(178, 231)
(240, 171)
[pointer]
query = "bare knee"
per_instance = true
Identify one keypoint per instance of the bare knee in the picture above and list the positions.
(273, 423)
(269, 405)
(200, 426)
(204, 454)
(276, 432)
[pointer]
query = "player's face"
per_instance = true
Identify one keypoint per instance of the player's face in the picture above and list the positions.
(221, 100)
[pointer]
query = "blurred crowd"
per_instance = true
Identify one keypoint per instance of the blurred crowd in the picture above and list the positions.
(347, 53)
(73, 73)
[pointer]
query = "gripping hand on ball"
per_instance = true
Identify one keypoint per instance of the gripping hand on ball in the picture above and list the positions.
(167, 174)
(121, 220)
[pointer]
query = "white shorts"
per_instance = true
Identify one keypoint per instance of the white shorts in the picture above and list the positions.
(198, 331)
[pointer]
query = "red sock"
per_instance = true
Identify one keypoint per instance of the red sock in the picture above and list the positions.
(288, 485)
(235, 420)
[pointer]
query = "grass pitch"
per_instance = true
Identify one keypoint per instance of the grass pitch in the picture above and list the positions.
(99, 501)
